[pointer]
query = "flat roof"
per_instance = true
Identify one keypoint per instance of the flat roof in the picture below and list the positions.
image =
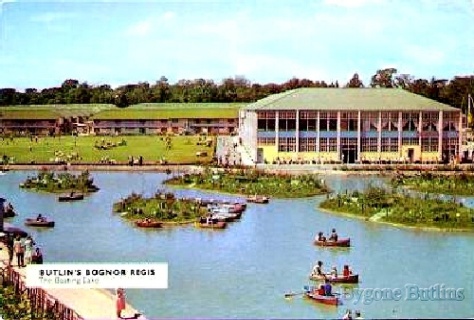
(366, 99)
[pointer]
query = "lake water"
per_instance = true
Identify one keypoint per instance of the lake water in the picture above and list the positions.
(245, 270)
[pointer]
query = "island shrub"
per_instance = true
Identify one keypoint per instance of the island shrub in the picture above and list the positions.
(49, 181)
(251, 182)
(405, 208)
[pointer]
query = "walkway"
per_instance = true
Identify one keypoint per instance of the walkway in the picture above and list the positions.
(89, 304)
(230, 152)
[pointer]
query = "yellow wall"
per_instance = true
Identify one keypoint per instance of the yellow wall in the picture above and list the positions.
(430, 156)
(269, 152)
(375, 156)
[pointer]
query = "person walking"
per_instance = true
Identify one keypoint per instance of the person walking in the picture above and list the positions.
(120, 304)
(29, 243)
(19, 250)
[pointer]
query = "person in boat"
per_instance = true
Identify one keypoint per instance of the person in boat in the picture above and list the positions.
(346, 272)
(147, 220)
(40, 218)
(71, 194)
(333, 236)
(358, 315)
(334, 272)
(318, 269)
(321, 290)
(327, 289)
(209, 219)
(321, 237)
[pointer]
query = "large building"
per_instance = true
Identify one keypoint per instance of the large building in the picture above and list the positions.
(350, 126)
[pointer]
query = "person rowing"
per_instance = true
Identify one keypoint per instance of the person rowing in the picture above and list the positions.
(318, 270)
(333, 236)
(39, 218)
(346, 272)
(321, 237)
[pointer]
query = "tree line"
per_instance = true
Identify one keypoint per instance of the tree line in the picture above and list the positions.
(238, 89)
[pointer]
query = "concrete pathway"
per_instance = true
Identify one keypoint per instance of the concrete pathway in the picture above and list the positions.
(90, 304)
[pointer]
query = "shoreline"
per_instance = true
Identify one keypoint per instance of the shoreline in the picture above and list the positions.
(186, 168)
(394, 224)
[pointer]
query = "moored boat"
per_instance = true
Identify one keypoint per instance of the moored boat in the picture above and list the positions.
(148, 224)
(353, 278)
(258, 199)
(39, 223)
(330, 243)
(70, 197)
(213, 225)
(329, 300)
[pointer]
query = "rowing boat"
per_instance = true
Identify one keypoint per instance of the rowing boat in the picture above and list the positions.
(353, 278)
(331, 243)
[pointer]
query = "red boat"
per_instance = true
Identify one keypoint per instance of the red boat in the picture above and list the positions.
(39, 223)
(329, 243)
(214, 225)
(353, 278)
(258, 199)
(148, 224)
(329, 300)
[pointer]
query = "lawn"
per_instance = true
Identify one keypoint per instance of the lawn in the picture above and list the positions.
(82, 149)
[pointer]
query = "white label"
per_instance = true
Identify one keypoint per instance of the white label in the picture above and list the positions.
(98, 275)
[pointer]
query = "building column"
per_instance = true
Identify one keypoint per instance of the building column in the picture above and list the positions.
(277, 130)
(359, 135)
(420, 129)
(297, 133)
(379, 138)
(317, 132)
(440, 136)
(400, 139)
(338, 132)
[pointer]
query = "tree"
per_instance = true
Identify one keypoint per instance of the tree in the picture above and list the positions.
(383, 78)
(355, 82)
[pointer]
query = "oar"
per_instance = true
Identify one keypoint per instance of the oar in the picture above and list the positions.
(292, 294)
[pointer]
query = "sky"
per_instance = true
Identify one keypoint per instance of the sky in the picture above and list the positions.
(43, 43)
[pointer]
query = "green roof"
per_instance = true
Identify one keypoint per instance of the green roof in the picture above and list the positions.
(154, 111)
(367, 99)
(51, 112)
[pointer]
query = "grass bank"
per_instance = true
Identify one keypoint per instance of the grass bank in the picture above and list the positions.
(163, 207)
(402, 209)
(453, 184)
(251, 182)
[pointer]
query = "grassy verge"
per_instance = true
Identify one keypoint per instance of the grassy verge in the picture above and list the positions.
(380, 205)
(62, 182)
(454, 184)
(253, 182)
(161, 207)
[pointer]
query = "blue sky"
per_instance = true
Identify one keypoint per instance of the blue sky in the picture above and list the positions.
(118, 42)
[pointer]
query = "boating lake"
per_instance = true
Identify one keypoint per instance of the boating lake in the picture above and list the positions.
(245, 270)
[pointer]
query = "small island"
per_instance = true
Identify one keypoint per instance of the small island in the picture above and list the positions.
(60, 182)
(452, 184)
(163, 207)
(253, 183)
(402, 209)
